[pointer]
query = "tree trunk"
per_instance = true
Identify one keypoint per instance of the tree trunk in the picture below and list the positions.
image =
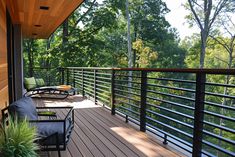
(203, 49)
(128, 35)
(65, 32)
(30, 67)
(129, 48)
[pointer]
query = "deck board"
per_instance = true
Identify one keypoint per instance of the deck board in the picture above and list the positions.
(97, 133)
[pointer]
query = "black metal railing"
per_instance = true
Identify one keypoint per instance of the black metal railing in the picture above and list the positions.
(190, 108)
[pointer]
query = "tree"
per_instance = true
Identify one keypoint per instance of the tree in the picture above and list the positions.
(130, 61)
(204, 14)
(228, 44)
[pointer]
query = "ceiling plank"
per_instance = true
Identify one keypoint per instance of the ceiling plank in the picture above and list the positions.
(28, 14)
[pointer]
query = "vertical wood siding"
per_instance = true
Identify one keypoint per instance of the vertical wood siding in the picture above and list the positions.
(3, 56)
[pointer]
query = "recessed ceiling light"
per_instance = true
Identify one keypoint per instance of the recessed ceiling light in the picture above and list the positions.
(37, 25)
(44, 7)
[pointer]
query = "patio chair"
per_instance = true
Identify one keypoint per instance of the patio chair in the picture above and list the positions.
(53, 134)
(36, 87)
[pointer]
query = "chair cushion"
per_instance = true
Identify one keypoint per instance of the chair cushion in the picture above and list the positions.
(46, 129)
(24, 108)
(30, 83)
(40, 82)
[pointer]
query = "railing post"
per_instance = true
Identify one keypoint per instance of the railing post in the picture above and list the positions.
(112, 92)
(143, 101)
(95, 86)
(74, 81)
(198, 114)
(67, 79)
(62, 75)
(83, 93)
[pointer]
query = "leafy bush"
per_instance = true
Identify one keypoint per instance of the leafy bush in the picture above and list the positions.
(17, 139)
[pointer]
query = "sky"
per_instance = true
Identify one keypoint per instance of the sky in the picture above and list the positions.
(176, 17)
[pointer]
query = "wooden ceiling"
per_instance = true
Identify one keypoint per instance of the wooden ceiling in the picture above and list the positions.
(40, 18)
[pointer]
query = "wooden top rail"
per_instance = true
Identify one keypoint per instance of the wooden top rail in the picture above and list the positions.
(208, 71)
(188, 70)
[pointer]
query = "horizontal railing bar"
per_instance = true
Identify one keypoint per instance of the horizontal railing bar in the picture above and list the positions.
(129, 115)
(106, 74)
(172, 103)
(172, 111)
(76, 75)
(88, 76)
(130, 104)
(127, 97)
(128, 76)
(218, 148)
(169, 118)
(219, 105)
(174, 88)
(219, 84)
(103, 82)
(104, 104)
(103, 99)
(130, 118)
(126, 81)
(119, 85)
(119, 90)
(103, 78)
(88, 72)
(88, 92)
(78, 82)
(89, 68)
(102, 86)
(170, 127)
(207, 153)
(219, 137)
(171, 95)
(173, 80)
(101, 94)
(170, 135)
(86, 88)
(220, 95)
(88, 85)
(219, 127)
(87, 79)
(101, 89)
(219, 115)
(129, 110)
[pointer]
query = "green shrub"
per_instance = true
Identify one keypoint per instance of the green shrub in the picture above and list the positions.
(17, 139)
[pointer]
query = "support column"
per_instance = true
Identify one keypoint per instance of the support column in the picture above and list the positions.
(18, 62)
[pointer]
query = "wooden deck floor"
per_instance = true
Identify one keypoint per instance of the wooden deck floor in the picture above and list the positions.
(97, 133)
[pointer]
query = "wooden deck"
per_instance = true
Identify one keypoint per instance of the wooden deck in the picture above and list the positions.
(97, 133)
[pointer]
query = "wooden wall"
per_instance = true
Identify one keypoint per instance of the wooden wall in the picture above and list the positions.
(3, 56)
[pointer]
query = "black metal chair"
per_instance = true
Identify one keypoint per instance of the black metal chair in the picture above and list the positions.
(54, 134)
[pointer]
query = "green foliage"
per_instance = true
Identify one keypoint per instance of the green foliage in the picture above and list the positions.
(144, 55)
(99, 37)
(17, 139)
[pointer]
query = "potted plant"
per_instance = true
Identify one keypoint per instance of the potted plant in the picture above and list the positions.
(17, 139)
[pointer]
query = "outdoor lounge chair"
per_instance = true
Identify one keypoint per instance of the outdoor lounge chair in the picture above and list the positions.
(37, 88)
(54, 134)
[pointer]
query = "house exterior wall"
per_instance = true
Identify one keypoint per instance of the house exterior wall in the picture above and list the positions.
(3, 56)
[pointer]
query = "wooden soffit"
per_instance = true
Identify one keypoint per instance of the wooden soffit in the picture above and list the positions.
(40, 18)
